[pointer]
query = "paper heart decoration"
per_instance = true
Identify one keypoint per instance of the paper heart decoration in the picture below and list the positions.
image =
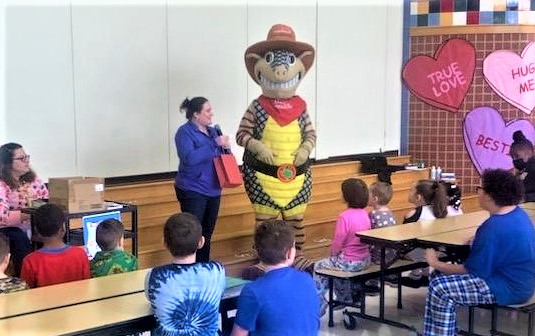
(488, 137)
(512, 76)
(443, 80)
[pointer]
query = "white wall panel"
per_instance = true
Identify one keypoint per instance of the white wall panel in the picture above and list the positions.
(206, 45)
(351, 77)
(120, 71)
(94, 87)
(393, 64)
(38, 86)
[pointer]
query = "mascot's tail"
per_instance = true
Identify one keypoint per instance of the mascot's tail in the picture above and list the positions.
(304, 264)
(255, 271)
(300, 262)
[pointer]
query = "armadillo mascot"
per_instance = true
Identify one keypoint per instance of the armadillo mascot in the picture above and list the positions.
(277, 135)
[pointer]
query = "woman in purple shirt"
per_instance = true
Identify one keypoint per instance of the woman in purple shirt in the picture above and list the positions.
(196, 184)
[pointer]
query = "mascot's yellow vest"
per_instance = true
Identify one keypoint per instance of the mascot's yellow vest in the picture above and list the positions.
(283, 141)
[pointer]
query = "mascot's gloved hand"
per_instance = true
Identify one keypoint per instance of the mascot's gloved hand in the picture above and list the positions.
(301, 154)
(261, 151)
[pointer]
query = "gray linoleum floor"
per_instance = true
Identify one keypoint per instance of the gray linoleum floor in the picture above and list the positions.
(412, 314)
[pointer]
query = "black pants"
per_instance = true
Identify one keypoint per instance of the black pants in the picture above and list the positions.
(205, 208)
(19, 245)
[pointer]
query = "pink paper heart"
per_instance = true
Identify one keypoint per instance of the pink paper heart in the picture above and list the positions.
(488, 138)
(443, 80)
(512, 76)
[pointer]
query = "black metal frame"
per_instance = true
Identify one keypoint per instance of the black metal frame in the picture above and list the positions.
(402, 248)
(76, 236)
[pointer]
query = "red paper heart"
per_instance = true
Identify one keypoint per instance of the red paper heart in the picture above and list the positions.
(443, 80)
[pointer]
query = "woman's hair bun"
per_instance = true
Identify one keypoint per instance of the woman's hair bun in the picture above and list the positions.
(185, 105)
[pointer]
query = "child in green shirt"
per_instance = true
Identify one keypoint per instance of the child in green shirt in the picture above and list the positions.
(112, 259)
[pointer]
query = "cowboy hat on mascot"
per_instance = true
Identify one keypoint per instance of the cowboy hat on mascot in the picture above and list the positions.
(277, 135)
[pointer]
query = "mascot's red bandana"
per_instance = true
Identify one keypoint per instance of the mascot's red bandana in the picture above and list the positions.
(284, 111)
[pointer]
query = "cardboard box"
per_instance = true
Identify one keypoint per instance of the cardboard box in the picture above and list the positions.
(77, 194)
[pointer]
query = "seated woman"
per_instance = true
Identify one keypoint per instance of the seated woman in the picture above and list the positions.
(18, 186)
(523, 155)
(501, 265)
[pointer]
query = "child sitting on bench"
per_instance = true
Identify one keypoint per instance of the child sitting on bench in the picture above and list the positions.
(8, 284)
(347, 252)
(56, 262)
(185, 294)
(281, 287)
(113, 258)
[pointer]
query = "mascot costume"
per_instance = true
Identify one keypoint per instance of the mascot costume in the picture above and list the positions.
(278, 136)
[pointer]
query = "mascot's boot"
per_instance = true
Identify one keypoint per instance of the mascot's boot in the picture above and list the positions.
(301, 262)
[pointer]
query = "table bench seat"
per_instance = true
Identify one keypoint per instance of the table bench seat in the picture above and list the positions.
(372, 272)
(527, 307)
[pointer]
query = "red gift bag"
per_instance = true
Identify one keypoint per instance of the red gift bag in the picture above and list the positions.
(227, 170)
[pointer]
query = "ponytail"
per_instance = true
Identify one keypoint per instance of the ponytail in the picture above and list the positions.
(435, 195)
(440, 200)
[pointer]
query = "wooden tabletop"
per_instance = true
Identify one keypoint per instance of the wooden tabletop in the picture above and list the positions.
(72, 320)
(450, 239)
(408, 232)
(528, 205)
(70, 293)
(94, 317)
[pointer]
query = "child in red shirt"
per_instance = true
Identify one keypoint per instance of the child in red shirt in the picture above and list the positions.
(55, 262)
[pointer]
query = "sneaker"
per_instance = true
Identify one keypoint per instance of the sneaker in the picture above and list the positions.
(415, 283)
(323, 308)
(372, 290)
(416, 274)
(372, 282)
(392, 281)
(339, 306)
(424, 281)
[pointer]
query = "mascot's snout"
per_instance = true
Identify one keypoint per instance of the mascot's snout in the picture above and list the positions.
(279, 63)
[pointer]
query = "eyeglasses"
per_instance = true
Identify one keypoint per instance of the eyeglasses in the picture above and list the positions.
(24, 158)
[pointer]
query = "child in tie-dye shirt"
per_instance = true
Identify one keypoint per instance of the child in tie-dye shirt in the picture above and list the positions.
(185, 294)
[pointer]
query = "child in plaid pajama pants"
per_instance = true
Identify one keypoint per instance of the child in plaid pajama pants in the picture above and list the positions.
(446, 292)
(500, 267)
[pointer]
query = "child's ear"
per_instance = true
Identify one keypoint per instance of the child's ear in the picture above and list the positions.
(121, 242)
(7, 258)
(4, 263)
(290, 255)
(201, 243)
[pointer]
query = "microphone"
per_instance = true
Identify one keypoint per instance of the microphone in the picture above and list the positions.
(220, 133)
(218, 130)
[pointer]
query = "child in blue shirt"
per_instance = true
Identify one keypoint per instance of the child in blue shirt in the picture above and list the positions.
(281, 287)
(501, 265)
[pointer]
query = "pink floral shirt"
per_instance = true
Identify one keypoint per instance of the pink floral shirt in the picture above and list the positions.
(12, 200)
